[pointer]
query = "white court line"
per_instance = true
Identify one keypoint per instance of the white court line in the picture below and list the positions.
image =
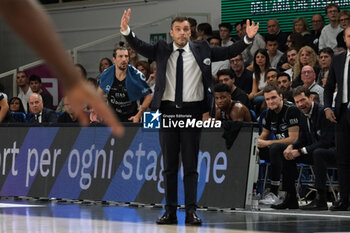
(291, 214)
(9, 205)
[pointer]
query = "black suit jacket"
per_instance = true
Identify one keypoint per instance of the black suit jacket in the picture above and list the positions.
(47, 116)
(204, 55)
(335, 76)
(322, 131)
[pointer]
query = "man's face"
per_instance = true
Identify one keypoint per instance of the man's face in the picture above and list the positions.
(272, 27)
(237, 64)
(273, 100)
(35, 104)
(283, 83)
(21, 79)
(271, 47)
(325, 60)
(224, 33)
(291, 57)
(35, 86)
(121, 59)
(181, 32)
(225, 79)
(317, 22)
(305, 57)
(308, 75)
(215, 42)
(271, 78)
(332, 13)
(303, 102)
(347, 38)
(67, 106)
(222, 99)
(239, 30)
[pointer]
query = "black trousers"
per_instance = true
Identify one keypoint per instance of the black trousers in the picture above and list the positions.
(176, 140)
(323, 158)
(342, 140)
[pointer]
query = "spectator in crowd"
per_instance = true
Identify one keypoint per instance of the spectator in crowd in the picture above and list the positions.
(124, 85)
(193, 24)
(317, 23)
(144, 67)
(228, 109)
(24, 89)
(217, 65)
(316, 133)
(226, 77)
(39, 113)
(238, 29)
(282, 120)
(225, 30)
(291, 58)
(273, 28)
(308, 76)
(204, 31)
(275, 55)
(271, 77)
(133, 55)
(284, 82)
(258, 43)
(301, 27)
(260, 65)
(4, 110)
(243, 77)
(329, 33)
(306, 56)
(295, 40)
(69, 115)
(15, 105)
(325, 59)
(152, 78)
(104, 64)
(339, 76)
(35, 85)
(344, 21)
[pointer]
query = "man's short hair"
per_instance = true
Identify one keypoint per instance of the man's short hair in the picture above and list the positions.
(179, 19)
(283, 74)
(206, 28)
(327, 50)
(269, 37)
(226, 25)
(119, 46)
(225, 72)
(330, 6)
(220, 87)
(301, 89)
(269, 70)
(34, 77)
(270, 88)
(214, 37)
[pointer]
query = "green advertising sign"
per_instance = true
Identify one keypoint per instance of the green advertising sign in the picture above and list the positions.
(233, 11)
(154, 38)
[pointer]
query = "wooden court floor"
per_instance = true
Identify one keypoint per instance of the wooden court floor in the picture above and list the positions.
(19, 216)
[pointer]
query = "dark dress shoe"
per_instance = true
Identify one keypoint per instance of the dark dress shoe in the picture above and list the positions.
(290, 202)
(192, 219)
(167, 218)
(316, 204)
(341, 205)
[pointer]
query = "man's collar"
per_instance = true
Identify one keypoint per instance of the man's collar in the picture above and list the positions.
(309, 114)
(186, 47)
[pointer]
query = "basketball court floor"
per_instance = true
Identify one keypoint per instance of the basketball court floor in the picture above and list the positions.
(18, 216)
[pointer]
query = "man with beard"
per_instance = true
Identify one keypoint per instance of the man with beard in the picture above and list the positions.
(22, 82)
(284, 82)
(124, 85)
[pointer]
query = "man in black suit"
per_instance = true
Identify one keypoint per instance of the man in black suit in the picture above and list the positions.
(339, 74)
(183, 65)
(40, 114)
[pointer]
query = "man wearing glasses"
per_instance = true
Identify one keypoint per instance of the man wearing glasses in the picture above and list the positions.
(243, 77)
(317, 22)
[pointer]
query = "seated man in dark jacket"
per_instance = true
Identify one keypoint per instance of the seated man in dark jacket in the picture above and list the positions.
(39, 113)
